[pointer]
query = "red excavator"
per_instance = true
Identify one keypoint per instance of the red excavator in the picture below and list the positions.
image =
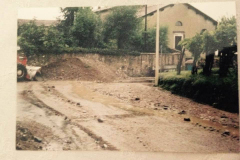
(25, 72)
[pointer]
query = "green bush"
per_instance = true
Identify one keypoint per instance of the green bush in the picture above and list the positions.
(222, 93)
(116, 52)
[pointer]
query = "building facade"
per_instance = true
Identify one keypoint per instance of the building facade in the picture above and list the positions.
(183, 20)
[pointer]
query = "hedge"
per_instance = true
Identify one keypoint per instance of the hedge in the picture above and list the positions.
(221, 93)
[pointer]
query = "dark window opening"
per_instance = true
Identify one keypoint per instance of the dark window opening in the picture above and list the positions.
(177, 40)
(178, 23)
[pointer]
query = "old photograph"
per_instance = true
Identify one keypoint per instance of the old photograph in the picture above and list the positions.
(140, 78)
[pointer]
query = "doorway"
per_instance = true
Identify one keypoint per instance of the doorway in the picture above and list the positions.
(177, 38)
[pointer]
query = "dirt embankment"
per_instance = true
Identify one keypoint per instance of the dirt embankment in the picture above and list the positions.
(84, 69)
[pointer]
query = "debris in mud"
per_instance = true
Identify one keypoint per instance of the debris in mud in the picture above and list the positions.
(100, 120)
(187, 119)
(211, 129)
(105, 146)
(182, 112)
(137, 99)
(78, 104)
(37, 139)
(25, 139)
(65, 118)
(157, 104)
(224, 116)
(226, 133)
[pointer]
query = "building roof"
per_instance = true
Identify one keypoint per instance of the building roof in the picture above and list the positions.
(161, 8)
(151, 9)
(38, 22)
(103, 9)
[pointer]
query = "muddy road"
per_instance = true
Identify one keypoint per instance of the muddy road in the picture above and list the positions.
(90, 116)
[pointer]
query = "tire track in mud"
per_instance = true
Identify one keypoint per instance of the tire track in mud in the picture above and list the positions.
(133, 113)
(29, 96)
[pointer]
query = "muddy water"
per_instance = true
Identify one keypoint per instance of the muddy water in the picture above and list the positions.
(107, 122)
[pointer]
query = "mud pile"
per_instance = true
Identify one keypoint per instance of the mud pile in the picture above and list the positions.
(75, 69)
(25, 140)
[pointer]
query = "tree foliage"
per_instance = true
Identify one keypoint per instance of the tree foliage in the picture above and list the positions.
(210, 45)
(34, 39)
(195, 46)
(31, 38)
(87, 28)
(120, 25)
(208, 42)
(69, 15)
(226, 32)
(163, 39)
(53, 40)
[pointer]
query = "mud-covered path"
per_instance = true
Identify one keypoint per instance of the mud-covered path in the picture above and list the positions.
(74, 115)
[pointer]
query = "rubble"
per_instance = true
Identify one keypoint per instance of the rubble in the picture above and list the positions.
(75, 69)
(100, 120)
(182, 112)
(187, 119)
(37, 139)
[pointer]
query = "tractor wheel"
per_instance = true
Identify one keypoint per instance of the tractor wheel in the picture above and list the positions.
(21, 72)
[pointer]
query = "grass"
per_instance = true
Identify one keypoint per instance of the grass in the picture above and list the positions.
(173, 74)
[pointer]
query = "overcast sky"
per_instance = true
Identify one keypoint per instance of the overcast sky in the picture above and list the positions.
(214, 9)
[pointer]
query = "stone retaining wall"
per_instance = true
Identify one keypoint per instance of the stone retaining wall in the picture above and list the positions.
(142, 65)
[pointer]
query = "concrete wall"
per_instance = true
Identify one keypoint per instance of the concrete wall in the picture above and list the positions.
(142, 65)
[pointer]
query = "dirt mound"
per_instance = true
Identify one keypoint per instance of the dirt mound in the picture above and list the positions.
(26, 138)
(75, 69)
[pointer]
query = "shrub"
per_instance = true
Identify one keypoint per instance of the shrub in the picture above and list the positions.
(116, 52)
(212, 90)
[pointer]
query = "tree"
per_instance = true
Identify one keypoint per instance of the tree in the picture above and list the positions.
(179, 65)
(121, 25)
(31, 38)
(53, 40)
(226, 33)
(151, 39)
(194, 45)
(69, 15)
(87, 28)
(209, 48)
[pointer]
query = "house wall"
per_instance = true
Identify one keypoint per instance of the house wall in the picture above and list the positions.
(142, 65)
(192, 22)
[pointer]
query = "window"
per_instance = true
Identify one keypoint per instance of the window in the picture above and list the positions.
(177, 38)
(178, 23)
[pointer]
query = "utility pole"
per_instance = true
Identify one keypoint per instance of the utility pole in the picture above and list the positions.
(161, 67)
(145, 35)
(157, 49)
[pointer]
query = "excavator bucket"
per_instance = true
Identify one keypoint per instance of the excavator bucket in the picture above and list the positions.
(34, 73)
